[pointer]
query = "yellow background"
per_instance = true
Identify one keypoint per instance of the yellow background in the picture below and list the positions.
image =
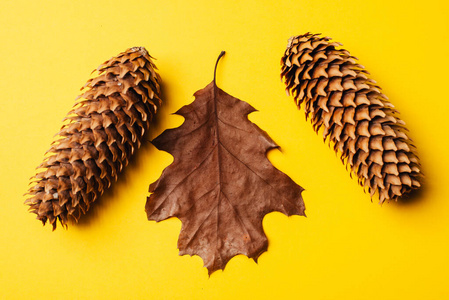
(347, 248)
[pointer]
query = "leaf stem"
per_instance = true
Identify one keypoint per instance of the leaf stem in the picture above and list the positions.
(215, 69)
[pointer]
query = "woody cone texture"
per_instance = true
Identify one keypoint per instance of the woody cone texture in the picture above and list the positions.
(100, 134)
(360, 122)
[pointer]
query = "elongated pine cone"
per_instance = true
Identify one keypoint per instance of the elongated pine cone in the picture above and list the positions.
(357, 118)
(100, 134)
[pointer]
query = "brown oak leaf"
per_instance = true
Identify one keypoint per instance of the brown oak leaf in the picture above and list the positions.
(221, 183)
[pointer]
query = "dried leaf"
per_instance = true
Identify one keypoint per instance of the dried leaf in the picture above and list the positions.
(221, 184)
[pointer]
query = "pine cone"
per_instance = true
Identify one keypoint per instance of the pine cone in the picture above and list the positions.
(357, 118)
(101, 133)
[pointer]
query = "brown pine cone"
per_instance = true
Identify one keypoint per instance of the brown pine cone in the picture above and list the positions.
(101, 133)
(357, 118)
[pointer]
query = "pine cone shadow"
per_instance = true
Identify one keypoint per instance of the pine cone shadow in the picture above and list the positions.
(125, 177)
(415, 196)
(418, 195)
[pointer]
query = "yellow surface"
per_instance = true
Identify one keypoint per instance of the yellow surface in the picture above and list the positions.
(347, 248)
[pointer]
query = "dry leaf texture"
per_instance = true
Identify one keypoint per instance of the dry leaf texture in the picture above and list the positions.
(357, 118)
(220, 184)
(101, 133)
